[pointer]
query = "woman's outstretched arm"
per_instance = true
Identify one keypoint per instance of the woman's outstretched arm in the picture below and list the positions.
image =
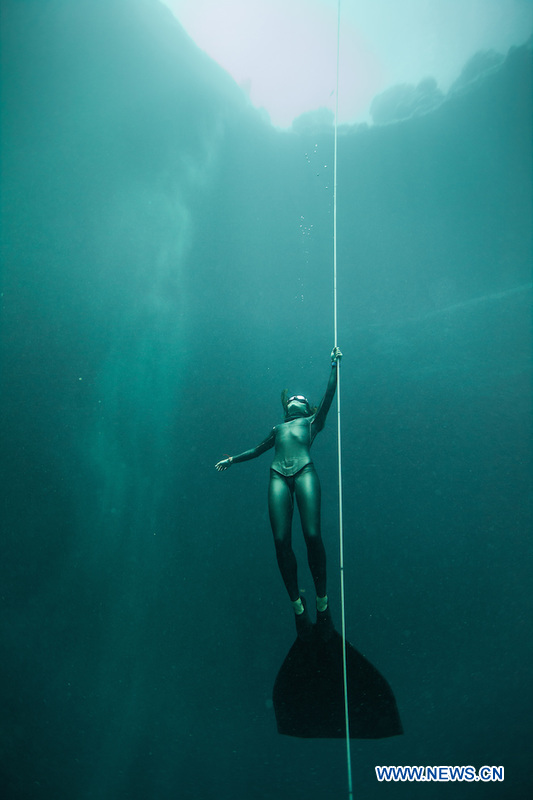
(325, 403)
(261, 448)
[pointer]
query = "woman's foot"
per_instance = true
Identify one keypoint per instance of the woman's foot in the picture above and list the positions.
(321, 603)
(304, 626)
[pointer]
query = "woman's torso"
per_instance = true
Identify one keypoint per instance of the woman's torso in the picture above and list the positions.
(292, 444)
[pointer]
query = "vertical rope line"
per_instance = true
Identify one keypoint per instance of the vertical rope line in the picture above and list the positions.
(339, 443)
(335, 191)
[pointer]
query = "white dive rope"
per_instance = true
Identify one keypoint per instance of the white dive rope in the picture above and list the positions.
(339, 451)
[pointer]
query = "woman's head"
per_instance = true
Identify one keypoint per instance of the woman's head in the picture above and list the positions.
(296, 405)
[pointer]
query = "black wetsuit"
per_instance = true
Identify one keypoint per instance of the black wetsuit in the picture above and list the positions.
(292, 473)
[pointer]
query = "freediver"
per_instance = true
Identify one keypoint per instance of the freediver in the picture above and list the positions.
(292, 472)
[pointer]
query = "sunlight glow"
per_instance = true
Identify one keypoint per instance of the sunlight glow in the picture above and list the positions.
(283, 52)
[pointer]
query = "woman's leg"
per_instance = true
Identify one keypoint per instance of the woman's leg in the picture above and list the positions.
(307, 487)
(280, 508)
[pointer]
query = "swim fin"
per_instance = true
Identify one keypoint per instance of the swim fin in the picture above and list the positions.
(308, 692)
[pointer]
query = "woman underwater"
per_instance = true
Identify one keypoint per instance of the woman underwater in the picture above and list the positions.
(292, 473)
